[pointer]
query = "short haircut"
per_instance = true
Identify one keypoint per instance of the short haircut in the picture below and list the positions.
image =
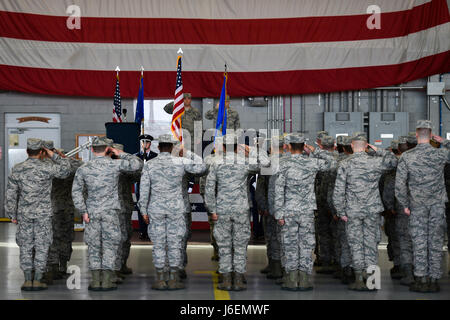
(359, 143)
(402, 147)
(424, 133)
(348, 149)
(165, 147)
(99, 149)
(340, 148)
(33, 153)
(297, 146)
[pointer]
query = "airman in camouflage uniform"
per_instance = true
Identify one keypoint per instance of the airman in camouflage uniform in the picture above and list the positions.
(209, 160)
(387, 192)
(230, 207)
(28, 204)
(357, 201)
(402, 226)
(125, 187)
(98, 179)
(62, 220)
(342, 248)
(420, 190)
(265, 195)
(317, 183)
(294, 207)
(232, 115)
(162, 205)
(190, 115)
(326, 223)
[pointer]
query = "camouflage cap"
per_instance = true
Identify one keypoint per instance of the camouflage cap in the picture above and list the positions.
(61, 150)
(321, 134)
(186, 95)
(48, 144)
(167, 138)
(101, 141)
(412, 138)
(394, 144)
(402, 139)
(117, 146)
(34, 144)
(347, 141)
(424, 124)
(295, 138)
(170, 104)
(110, 142)
(327, 141)
(359, 136)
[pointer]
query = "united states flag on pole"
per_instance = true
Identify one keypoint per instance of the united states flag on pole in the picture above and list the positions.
(117, 110)
(178, 105)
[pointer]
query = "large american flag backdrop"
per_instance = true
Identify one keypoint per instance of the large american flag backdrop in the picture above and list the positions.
(270, 47)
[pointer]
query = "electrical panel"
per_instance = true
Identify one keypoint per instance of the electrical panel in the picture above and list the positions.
(387, 126)
(343, 123)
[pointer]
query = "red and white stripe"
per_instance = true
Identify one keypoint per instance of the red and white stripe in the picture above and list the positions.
(270, 47)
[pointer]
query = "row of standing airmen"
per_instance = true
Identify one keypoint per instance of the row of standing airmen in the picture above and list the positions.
(405, 185)
(288, 197)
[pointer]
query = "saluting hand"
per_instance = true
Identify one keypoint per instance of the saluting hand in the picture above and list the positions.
(49, 152)
(437, 138)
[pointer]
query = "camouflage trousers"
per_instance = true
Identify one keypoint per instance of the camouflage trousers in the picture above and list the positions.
(364, 234)
(404, 238)
(232, 233)
(63, 235)
(34, 237)
(212, 223)
(126, 230)
(427, 228)
(325, 234)
(298, 241)
(271, 231)
(393, 247)
(344, 255)
(166, 232)
(187, 235)
(102, 236)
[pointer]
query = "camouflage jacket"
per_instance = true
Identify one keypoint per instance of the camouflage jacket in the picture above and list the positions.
(356, 190)
(95, 187)
(62, 188)
(294, 187)
(28, 192)
(230, 179)
(161, 187)
(420, 172)
(232, 117)
(188, 118)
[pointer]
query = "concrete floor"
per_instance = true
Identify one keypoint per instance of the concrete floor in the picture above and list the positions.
(200, 284)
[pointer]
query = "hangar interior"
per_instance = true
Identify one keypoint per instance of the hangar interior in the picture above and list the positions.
(58, 84)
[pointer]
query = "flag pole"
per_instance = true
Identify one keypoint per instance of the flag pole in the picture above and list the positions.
(180, 56)
(142, 121)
